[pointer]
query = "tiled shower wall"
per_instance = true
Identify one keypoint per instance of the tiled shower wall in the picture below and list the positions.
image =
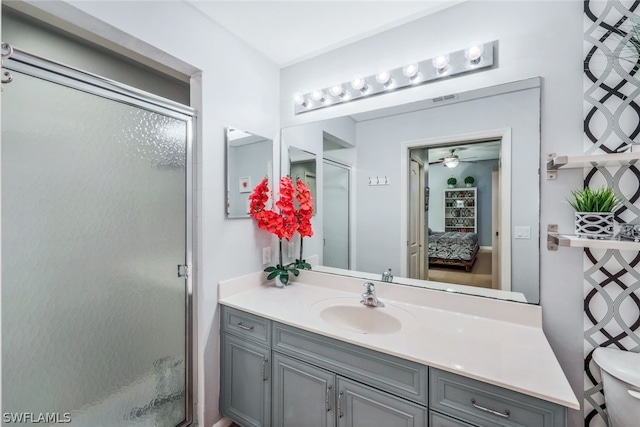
(611, 120)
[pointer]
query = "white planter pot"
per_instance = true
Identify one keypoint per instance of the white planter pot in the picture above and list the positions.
(450, 186)
(594, 225)
(468, 185)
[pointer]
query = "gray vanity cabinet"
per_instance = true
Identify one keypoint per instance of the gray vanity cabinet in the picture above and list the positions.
(275, 374)
(303, 395)
(245, 379)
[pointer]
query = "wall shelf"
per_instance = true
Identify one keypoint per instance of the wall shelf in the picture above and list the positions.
(572, 162)
(566, 240)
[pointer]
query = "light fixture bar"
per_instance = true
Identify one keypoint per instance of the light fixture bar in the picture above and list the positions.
(458, 64)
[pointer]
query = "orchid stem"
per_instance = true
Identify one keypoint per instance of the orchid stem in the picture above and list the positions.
(301, 239)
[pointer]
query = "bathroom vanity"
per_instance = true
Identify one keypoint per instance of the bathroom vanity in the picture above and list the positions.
(311, 355)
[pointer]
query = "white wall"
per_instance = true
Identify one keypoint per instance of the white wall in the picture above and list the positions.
(237, 87)
(536, 38)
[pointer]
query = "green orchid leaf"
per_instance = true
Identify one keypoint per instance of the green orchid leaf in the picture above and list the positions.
(295, 271)
(284, 277)
(273, 275)
(270, 269)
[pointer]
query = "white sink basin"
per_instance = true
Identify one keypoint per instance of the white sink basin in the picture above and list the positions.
(353, 316)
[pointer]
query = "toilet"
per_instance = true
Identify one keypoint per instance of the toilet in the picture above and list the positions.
(621, 383)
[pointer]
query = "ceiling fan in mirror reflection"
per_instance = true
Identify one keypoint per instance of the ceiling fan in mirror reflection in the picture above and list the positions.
(452, 160)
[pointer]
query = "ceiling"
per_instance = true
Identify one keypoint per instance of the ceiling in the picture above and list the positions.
(291, 31)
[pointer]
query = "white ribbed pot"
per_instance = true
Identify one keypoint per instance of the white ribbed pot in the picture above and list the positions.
(594, 225)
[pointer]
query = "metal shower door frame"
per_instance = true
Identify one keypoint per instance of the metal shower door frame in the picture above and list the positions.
(73, 78)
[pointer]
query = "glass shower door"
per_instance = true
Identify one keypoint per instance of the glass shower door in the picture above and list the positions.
(94, 225)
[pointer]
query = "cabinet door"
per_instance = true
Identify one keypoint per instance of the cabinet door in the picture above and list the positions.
(245, 386)
(303, 395)
(439, 420)
(362, 406)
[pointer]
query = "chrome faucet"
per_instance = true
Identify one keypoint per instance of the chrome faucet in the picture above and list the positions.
(387, 276)
(369, 297)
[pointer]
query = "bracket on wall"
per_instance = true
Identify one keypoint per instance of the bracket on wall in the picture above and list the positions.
(552, 237)
(551, 170)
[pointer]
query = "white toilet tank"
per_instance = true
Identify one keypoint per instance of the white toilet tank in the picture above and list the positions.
(621, 382)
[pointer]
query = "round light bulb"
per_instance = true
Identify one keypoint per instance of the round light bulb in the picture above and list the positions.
(337, 90)
(452, 163)
(317, 95)
(411, 70)
(299, 99)
(383, 77)
(440, 62)
(359, 83)
(474, 51)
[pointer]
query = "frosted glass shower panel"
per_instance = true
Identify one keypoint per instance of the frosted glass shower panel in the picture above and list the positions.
(93, 227)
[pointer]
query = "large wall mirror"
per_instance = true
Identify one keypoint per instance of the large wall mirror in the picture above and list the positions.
(387, 176)
(249, 160)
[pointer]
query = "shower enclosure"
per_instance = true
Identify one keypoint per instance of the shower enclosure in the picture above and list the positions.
(96, 238)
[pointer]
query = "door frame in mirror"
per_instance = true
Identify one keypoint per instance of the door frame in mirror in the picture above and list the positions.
(505, 190)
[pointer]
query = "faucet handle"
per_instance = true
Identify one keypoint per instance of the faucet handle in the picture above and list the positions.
(369, 286)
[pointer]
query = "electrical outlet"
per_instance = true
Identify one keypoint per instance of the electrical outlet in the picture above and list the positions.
(266, 255)
(290, 249)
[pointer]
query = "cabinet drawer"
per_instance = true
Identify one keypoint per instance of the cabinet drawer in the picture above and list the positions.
(392, 374)
(489, 405)
(245, 325)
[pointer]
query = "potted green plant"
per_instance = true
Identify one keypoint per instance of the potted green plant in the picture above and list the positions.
(594, 217)
(469, 181)
(451, 182)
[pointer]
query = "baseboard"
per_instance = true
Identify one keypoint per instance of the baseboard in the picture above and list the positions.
(224, 422)
(486, 248)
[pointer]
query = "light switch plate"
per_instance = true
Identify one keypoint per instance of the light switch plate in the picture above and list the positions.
(522, 232)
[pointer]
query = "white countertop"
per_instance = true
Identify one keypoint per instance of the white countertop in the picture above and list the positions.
(493, 341)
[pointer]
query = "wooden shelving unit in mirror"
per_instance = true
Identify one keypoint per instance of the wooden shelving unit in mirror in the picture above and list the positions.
(461, 210)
